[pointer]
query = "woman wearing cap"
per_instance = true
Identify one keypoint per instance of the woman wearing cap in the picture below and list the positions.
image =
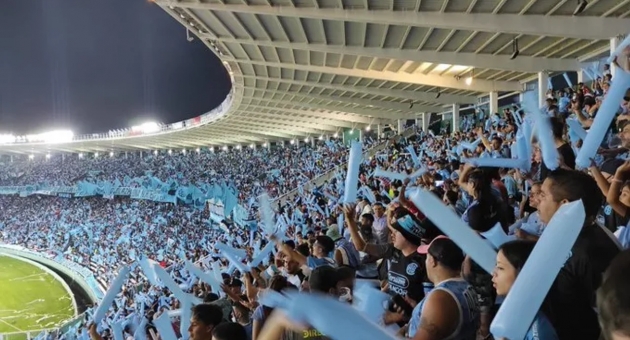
(510, 260)
(450, 310)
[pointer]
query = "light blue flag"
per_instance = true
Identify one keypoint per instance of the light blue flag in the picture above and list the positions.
(550, 254)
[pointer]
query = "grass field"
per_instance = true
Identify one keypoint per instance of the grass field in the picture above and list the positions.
(30, 298)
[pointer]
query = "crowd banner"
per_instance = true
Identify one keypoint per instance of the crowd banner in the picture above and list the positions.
(143, 188)
(241, 216)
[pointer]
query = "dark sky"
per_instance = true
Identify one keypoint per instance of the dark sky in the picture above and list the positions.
(95, 65)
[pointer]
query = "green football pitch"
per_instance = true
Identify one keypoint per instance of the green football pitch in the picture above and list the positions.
(30, 298)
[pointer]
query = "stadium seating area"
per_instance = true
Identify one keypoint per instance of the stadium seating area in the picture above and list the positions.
(494, 176)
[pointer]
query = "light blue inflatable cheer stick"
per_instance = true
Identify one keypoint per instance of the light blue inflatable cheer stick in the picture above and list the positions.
(109, 297)
(466, 238)
(533, 282)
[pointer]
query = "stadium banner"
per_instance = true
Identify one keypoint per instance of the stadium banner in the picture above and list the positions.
(216, 210)
(145, 187)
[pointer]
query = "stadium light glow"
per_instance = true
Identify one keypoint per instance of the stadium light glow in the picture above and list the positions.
(306, 139)
(252, 145)
(469, 81)
(81, 155)
(31, 156)
(149, 127)
(47, 156)
(367, 128)
(170, 152)
(7, 139)
(155, 152)
(198, 150)
(51, 137)
(336, 135)
(292, 141)
(238, 147)
(111, 154)
(184, 151)
(321, 137)
(225, 148)
(96, 155)
(264, 145)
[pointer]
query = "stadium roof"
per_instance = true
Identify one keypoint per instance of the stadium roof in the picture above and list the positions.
(310, 67)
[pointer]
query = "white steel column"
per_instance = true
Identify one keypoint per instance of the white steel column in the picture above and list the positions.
(543, 78)
(614, 43)
(580, 76)
(494, 102)
(455, 127)
(379, 131)
(400, 126)
(425, 121)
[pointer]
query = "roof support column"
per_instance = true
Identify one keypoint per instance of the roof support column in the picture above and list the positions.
(494, 102)
(425, 121)
(455, 127)
(543, 81)
(614, 43)
(401, 126)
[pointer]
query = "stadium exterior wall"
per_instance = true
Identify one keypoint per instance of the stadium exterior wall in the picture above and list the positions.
(48, 271)
(46, 262)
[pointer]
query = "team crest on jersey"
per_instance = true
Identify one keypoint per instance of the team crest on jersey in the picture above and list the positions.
(607, 210)
(411, 268)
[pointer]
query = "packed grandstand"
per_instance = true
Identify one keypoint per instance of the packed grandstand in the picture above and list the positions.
(496, 222)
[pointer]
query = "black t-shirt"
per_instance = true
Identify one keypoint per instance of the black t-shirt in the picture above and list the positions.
(406, 274)
(570, 302)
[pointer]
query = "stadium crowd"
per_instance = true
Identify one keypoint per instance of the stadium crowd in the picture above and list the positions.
(383, 246)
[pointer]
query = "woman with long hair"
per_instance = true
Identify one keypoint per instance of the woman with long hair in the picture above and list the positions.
(511, 259)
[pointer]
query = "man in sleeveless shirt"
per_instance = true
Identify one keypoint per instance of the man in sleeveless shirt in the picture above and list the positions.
(450, 310)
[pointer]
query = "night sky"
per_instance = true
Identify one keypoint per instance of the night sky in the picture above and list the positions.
(95, 65)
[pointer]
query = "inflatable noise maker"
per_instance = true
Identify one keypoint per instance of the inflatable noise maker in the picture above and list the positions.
(532, 284)
(337, 320)
(604, 117)
(467, 239)
(352, 177)
(497, 162)
(496, 236)
(397, 175)
(110, 295)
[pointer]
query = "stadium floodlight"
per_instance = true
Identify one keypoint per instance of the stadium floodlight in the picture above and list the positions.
(336, 135)
(31, 156)
(367, 128)
(212, 149)
(238, 147)
(111, 154)
(292, 141)
(306, 140)
(225, 148)
(47, 156)
(252, 145)
(96, 155)
(170, 152)
(149, 127)
(321, 137)
(51, 137)
(352, 131)
(81, 155)
(264, 145)
(198, 150)
(155, 152)
(184, 151)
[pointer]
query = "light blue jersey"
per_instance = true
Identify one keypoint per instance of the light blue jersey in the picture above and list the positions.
(463, 293)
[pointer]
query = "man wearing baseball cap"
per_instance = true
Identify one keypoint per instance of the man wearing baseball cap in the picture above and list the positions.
(450, 310)
(406, 266)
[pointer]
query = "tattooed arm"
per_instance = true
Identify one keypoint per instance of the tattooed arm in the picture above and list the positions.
(439, 318)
